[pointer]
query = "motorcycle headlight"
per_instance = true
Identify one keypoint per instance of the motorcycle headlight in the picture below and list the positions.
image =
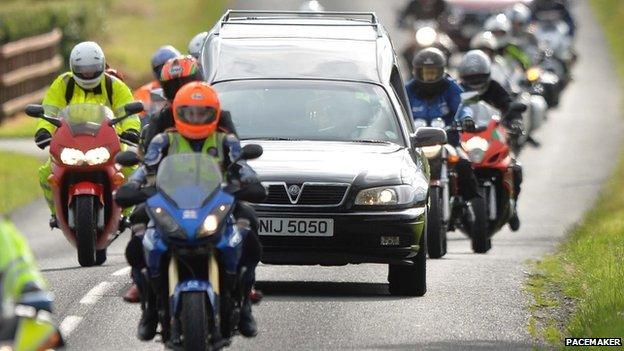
(426, 36)
(72, 157)
(390, 195)
(533, 74)
(438, 123)
(167, 223)
(419, 122)
(97, 156)
(476, 148)
(213, 221)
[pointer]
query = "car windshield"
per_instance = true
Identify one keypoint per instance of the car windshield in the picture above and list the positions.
(310, 110)
(85, 118)
(188, 179)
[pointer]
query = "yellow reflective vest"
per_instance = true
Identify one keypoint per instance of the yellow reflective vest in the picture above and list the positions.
(55, 100)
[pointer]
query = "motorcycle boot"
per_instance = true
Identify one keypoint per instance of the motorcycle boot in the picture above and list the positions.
(149, 312)
(247, 323)
(514, 221)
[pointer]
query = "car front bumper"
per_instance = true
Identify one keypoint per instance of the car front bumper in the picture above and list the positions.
(357, 238)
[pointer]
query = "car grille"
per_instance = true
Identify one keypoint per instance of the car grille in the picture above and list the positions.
(311, 195)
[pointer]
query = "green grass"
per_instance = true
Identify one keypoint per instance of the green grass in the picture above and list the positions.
(20, 126)
(135, 29)
(19, 183)
(579, 291)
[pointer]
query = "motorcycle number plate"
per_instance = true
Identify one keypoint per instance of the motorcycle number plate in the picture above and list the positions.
(296, 226)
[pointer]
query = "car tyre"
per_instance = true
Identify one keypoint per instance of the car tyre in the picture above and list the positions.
(436, 227)
(410, 280)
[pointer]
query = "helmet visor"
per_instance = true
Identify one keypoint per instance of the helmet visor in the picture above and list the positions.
(88, 71)
(477, 82)
(196, 115)
(429, 74)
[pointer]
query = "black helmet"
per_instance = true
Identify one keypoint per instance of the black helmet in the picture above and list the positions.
(429, 66)
(474, 70)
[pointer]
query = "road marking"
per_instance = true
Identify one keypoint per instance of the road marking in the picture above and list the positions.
(69, 324)
(96, 293)
(123, 271)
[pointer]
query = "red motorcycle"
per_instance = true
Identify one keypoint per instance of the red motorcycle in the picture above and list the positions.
(84, 175)
(488, 150)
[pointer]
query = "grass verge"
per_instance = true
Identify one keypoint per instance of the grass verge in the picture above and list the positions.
(19, 183)
(579, 291)
(135, 29)
(20, 126)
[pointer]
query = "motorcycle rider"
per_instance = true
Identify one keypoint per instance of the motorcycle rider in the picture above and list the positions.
(433, 94)
(423, 10)
(195, 45)
(196, 112)
(143, 93)
(554, 6)
(86, 82)
(475, 75)
(500, 26)
(520, 17)
(21, 283)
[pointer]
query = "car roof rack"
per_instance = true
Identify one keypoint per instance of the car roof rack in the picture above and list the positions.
(361, 19)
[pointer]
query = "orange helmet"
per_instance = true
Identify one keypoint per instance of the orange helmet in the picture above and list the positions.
(196, 110)
(176, 72)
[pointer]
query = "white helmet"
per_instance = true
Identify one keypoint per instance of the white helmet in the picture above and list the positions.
(195, 45)
(311, 6)
(519, 13)
(500, 26)
(484, 40)
(87, 63)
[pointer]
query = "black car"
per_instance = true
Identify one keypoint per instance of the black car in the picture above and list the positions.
(347, 182)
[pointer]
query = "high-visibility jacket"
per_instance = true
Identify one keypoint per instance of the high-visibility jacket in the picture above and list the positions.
(57, 97)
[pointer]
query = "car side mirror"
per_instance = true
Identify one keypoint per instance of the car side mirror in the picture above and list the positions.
(428, 136)
(251, 151)
(127, 158)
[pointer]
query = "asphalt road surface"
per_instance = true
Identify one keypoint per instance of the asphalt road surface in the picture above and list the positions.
(473, 301)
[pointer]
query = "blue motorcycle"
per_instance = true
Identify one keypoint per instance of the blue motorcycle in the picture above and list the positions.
(192, 249)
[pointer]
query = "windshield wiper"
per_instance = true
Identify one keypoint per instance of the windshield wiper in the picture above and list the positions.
(371, 141)
(272, 138)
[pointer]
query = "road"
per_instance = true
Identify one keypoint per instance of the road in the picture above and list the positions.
(473, 301)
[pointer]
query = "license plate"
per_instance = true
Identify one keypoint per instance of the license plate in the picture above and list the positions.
(296, 226)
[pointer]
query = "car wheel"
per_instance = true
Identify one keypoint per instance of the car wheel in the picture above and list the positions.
(410, 280)
(436, 227)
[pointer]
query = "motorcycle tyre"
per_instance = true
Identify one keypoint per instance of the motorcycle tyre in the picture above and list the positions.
(480, 238)
(86, 229)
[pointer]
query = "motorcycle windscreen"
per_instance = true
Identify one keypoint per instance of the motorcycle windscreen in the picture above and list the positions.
(189, 179)
(85, 119)
(482, 113)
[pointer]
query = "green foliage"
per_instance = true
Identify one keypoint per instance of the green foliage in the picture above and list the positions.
(611, 16)
(18, 180)
(79, 20)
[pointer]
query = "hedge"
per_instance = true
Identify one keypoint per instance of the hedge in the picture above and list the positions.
(78, 20)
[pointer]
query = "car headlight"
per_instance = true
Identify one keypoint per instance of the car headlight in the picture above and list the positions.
(167, 223)
(476, 148)
(432, 151)
(97, 156)
(213, 221)
(419, 122)
(75, 157)
(426, 36)
(72, 157)
(389, 195)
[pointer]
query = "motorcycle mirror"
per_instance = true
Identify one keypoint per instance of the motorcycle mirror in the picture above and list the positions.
(127, 158)
(37, 111)
(517, 107)
(251, 151)
(134, 107)
(252, 193)
(34, 110)
(129, 195)
(428, 136)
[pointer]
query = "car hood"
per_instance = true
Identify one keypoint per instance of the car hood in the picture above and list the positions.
(341, 162)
